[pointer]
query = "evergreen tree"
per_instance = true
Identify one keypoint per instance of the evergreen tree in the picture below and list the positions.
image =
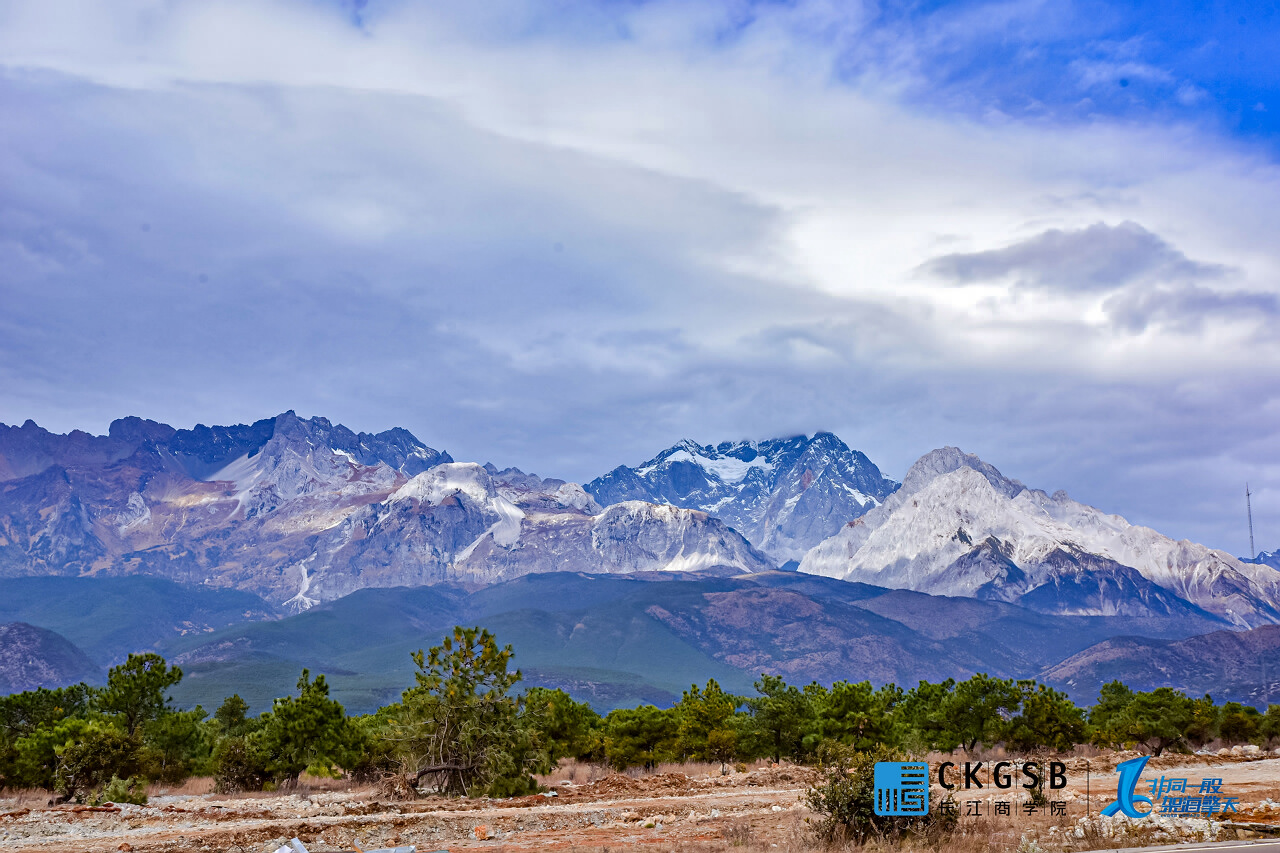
(1158, 719)
(859, 715)
(1048, 719)
(783, 715)
(459, 727)
(978, 708)
(1105, 716)
(706, 730)
(136, 690)
(640, 737)
(1238, 723)
(306, 730)
(562, 726)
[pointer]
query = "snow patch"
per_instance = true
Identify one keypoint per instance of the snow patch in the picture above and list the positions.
(727, 469)
(451, 478)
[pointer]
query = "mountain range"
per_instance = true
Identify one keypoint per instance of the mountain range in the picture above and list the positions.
(299, 528)
(301, 511)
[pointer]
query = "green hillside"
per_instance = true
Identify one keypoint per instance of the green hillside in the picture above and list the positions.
(110, 617)
(614, 640)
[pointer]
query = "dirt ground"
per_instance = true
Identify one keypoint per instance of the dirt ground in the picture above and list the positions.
(758, 810)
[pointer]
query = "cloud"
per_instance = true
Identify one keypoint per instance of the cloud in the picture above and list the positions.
(1100, 257)
(1187, 307)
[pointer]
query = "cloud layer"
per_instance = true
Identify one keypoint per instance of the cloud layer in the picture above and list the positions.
(565, 236)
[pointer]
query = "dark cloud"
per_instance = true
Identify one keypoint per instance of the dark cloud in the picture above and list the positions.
(1186, 308)
(1098, 258)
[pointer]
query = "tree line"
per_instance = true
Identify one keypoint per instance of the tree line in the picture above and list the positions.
(465, 728)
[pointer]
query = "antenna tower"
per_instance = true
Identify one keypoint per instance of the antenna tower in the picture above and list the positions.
(1248, 502)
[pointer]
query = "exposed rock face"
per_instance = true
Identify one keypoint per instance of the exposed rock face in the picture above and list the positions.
(302, 510)
(785, 495)
(959, 527)
(32, 657)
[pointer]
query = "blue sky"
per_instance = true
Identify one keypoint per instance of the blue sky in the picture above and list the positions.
(1208, 64)
(566, 235)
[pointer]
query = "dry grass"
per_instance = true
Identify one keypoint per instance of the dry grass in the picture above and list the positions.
(575, 772)
(13, 800)
(194, 787)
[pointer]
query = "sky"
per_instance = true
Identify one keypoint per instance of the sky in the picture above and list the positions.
(565, 235)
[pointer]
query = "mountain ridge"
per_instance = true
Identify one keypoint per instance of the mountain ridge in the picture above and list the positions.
(301, 510)
(957, 526)
(784, 495)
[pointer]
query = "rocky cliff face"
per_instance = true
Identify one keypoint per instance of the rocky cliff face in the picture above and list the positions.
(303, 510)
(959, 527)
(785, 495)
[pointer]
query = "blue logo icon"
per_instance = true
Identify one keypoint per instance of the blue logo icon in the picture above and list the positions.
(901, 788)
(1130, 772)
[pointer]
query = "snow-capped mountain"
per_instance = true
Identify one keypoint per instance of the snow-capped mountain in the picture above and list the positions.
(785, 495)
(302, 510)
(959, 527)
(1265, 558)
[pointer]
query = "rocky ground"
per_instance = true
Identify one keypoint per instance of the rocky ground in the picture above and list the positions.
(759, 810)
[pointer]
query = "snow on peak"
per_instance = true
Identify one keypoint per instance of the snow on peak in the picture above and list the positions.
(573, 495)
(944, 460)
(951, 503)
(435, 484)
(727, 469)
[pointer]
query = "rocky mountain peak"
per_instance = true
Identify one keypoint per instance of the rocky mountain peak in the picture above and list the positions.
(960, 527)
(784, 494)
(1265, 558)
(944, 460)
(136, 431)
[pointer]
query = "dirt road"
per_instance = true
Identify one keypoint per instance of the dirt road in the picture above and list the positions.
(617, 811)
(758, 810)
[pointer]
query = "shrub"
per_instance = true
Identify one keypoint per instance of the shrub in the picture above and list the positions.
(239, 764)
(101, 753)
(132, 790)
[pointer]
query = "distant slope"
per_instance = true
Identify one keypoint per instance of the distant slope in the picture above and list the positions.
(603, 648)
(32, 657)
(616, 640)
(993, 629)
(1242, 666)
(111, 617)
